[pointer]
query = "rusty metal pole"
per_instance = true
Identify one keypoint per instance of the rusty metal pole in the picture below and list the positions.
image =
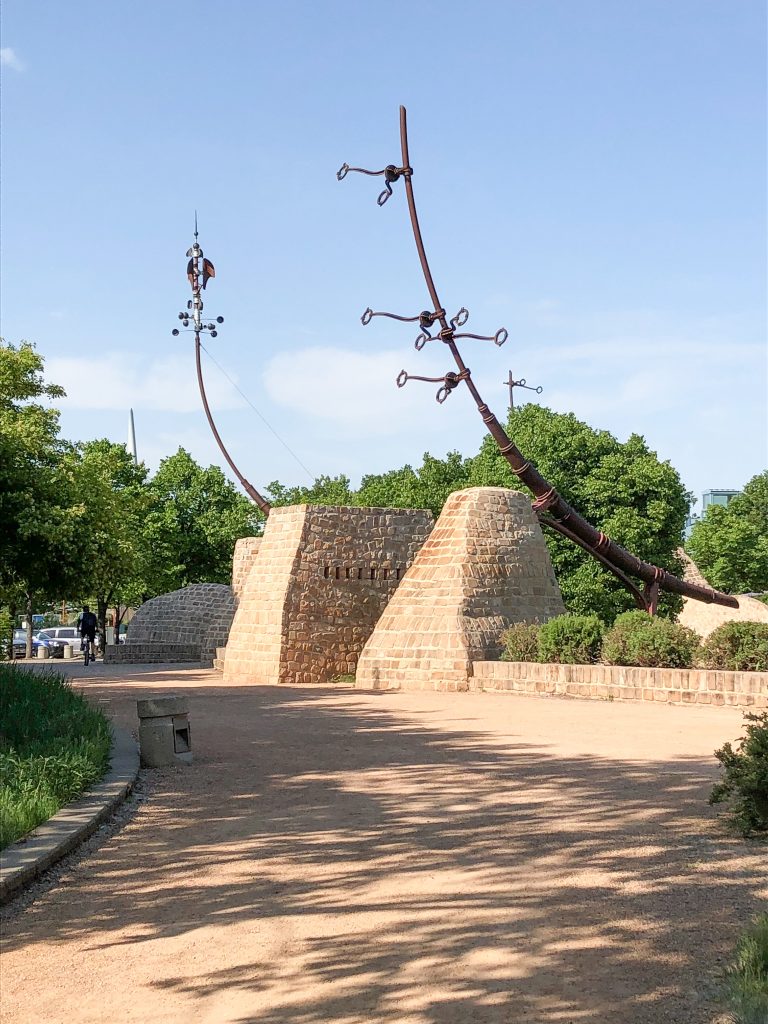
(200, 269)
(561, 516)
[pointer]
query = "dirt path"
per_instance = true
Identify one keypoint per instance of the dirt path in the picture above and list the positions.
(343, 856)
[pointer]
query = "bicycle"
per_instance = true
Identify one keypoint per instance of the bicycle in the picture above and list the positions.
(88, 655)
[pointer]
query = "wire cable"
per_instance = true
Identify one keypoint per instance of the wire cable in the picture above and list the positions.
(266, 422)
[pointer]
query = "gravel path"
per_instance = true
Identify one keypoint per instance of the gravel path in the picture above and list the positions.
(413, 858)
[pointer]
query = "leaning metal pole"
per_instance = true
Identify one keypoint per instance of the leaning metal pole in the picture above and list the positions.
(560, 516)
(199, 270)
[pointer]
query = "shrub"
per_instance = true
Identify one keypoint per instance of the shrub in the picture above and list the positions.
(745, 782)
(521, 642)
(6, 635)
(748, 977)
(737, 646)
(637, 638)
(571, 639)
(53, 745)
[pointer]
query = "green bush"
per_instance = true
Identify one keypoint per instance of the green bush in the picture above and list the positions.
(748, 977)
(521, 642)
(53, 745)
(737, 646)
(6, 635)
(637, 638)
(571, 639)
(745, 782)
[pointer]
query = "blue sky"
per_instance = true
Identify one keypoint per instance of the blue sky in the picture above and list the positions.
(590, 175)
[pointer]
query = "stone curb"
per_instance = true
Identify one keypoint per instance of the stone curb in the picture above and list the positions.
(24, 860)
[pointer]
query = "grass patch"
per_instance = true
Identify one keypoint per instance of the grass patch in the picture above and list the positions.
(748, 977)
(53, 745)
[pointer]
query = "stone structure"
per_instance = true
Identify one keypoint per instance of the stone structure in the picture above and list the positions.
(619, 682)
(484, 566)
(246, 550)
(323, 577)
(704, 618)
(197, 617)
(151, 653)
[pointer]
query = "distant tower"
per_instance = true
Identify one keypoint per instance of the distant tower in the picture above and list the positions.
(131, 443)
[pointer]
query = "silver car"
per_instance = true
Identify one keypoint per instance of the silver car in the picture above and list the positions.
(57, 638)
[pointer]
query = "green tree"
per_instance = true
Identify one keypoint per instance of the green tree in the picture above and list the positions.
(730, 544)
(425, 487)
(40, 518)
(326, 490)
(623, 489)
(197, 515)
(116, 503)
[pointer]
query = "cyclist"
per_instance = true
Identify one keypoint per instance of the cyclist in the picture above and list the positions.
(86, 625)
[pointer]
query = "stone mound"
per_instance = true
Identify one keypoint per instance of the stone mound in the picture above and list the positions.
(198, 616)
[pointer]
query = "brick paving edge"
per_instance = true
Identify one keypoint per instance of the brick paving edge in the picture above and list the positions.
(23, 861)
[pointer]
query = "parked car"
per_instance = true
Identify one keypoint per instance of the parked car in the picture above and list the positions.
(58, 636)
(20, 643)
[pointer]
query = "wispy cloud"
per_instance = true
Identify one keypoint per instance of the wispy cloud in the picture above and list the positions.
(351, 389)
(110, 381)
(8, 59)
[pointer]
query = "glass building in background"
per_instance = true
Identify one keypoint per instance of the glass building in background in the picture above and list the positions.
(713, 497)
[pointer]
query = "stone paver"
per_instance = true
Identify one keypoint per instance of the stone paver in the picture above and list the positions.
(420, 857)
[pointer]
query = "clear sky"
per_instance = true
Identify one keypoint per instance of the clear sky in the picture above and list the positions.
(590, 174)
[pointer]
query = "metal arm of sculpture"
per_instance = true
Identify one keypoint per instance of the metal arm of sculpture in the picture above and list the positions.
(561, 516)
(199, 271)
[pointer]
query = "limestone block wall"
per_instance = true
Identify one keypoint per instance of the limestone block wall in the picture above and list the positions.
(246, 550)
(324, 575)
(199, 615)
(618, 682)
(484, 566)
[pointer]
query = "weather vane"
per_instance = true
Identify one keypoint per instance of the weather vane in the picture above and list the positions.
(551, 508)
(199, 272)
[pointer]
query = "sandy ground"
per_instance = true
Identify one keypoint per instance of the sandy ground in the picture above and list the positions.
(335, 855)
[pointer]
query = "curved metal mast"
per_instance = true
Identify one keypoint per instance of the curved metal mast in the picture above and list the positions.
(199, 271)
(551, 508)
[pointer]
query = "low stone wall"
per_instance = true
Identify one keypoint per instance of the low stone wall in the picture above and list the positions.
(150, 653)
(617, 682)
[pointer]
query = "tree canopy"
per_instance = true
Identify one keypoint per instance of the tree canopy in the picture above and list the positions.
(622, 488)
(40, 518)
(730, 544)
(195, 519)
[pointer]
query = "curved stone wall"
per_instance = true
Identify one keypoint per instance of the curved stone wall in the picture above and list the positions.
(198, 616)
(704, 618)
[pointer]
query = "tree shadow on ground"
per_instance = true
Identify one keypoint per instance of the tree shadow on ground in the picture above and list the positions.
(388, 870)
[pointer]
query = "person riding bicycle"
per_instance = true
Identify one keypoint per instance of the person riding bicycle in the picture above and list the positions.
(86, 625)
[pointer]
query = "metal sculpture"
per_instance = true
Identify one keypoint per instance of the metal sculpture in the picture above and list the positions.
(550, 507)
(512, 384)
(199, 271)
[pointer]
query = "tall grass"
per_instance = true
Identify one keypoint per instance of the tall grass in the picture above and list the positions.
(53, 745)
(749, 975)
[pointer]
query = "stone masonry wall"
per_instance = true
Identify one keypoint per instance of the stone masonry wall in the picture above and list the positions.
(484, 566)
(323, 577)
(618, 682)
(246, 550)
(150, 653)
(199, 615)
